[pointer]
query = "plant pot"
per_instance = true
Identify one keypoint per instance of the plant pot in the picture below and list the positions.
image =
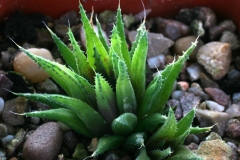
(164, 8)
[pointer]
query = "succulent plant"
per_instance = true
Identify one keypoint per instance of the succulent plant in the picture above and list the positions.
(106, 94)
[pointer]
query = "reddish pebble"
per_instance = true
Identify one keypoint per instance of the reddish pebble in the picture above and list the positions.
(218, 95)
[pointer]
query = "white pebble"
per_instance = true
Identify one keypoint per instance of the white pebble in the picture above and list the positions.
(6, 140)
(214, 106)
(1, 105)
(157, 61)
(194, 71)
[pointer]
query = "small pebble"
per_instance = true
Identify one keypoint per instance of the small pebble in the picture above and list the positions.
(208, 118)
(5, 83)
(233, 74)
(3, 154)
(172, 29)
(44, 38)
(178, 111)
(10, 129)
(18, 139)
(17, 105)
(233, 128)
(233, 111)
(182, 44)
(191, 138)
(216, 31)
(206, 15)
(236, 97)
(43, 143)
(34, 120)
(70, 140)
(235, 155)
(182, 85)
(156, 62)
(206, 81)
(214, 150)
(92, 147)
(47, 86)
(215, 57)
(198, 92)
(188, 101)
(177, 94)
(218, 95)
(213, 106)
(202, 106)
(6, 140)
(194, 71)
(28, 68)
(196, 85)
(213, 136)
(61, 29)
(231, 38)
(168, 59)
(157, 43)
(192, 146)
(3, 131)
(1, 105)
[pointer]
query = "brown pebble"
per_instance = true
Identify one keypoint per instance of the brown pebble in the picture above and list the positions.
(28, 68)
(172, 29)
(218, 95)
(216, 31)
(233, 128)
(182, 44)
(215, 57)
(18, 105)
(44, 143)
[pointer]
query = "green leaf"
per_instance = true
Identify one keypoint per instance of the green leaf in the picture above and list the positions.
(67, 54)
(159, 155)
(106, 99)
(124, 47)
(170, 74)
(178, 141)
(116, 42)
(135, 141)
(196, 130)
(115, 51)
(166, 131)
(107, 143)
(92, 119)
(135, 43)
(124, 124)
(138, 66)
(143, 154)
(67, 117)
(184, 124)
(150, 122)
(114, 62)
(73, 84)
(82, 66)
(126, 99)
(93, 42)
(184, 153)
(101, 36)
(149, 97)
(98, 63)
